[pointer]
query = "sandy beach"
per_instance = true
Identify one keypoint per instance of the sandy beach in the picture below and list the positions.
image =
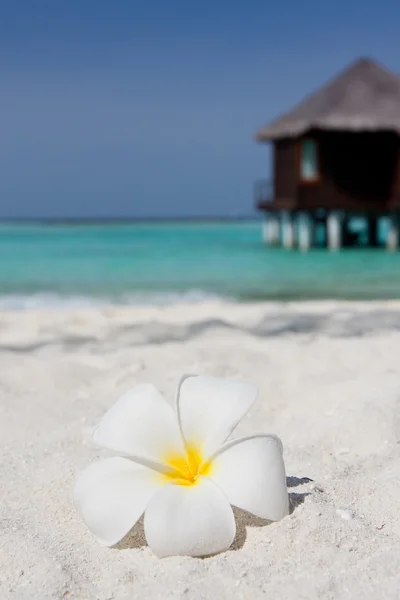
(329, 379)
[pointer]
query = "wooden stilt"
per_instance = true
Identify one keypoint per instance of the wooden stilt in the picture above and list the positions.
(305, 231)
(287, 230)
(334, 230)
(392, 240)
(271, 229)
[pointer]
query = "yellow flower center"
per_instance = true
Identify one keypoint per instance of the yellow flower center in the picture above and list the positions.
(186, 469)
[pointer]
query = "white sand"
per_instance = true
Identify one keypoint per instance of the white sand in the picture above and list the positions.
(329, 376)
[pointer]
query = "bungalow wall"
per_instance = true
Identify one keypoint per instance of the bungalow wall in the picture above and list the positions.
(357, 172)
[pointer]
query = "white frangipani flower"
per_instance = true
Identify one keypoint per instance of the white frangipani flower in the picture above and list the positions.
(176, 468)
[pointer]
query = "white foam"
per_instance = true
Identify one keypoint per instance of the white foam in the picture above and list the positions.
(53, 300)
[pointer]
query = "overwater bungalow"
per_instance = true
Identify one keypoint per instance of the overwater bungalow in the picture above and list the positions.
(336, 156)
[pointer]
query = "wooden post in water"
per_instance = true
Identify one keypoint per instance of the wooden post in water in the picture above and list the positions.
(287, 230)
(392, 240)
(305, 231)
(271, 229)
(334, 230)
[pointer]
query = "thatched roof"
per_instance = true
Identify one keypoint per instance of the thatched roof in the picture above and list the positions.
(364, 97)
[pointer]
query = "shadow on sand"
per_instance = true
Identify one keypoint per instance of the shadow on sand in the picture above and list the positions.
(335, 324)
(136, 538)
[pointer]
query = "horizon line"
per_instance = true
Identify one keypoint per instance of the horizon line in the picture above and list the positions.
(122, 220)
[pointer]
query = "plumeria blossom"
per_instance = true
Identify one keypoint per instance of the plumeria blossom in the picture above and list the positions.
(177, 468)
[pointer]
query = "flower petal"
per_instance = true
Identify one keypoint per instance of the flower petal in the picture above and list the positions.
(194, 520)
(209, 408)
(112, 494)
(141, 425)
(251, 472)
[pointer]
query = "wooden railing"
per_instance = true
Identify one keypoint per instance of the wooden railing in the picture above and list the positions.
(263, 192)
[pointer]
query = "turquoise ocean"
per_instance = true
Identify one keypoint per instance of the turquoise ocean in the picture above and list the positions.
(136, 263)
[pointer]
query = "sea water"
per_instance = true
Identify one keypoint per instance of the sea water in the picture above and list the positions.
(85, 264)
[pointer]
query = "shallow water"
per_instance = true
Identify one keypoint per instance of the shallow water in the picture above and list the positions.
(161, 262)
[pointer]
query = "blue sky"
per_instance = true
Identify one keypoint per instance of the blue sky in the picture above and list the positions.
(136, 108)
